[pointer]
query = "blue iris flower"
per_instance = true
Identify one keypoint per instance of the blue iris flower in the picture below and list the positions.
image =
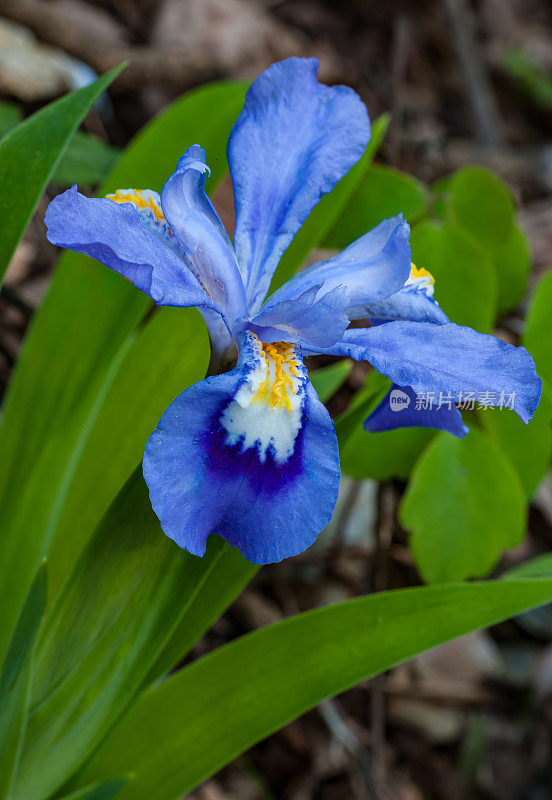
(251, 453)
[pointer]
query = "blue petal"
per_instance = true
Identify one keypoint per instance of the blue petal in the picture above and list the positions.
(122, 238)
(294, 140)
(205, 244)
(403, 408)
(224, 460)
(447, 358)
(409, 303)
(314, 317)
(374, 267)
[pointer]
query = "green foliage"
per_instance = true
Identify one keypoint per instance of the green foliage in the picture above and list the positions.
(30, 153)
(327, 380)
(205, 715)
(532, 79)
(463, 506)
(15, 682)
(528, 447)
(537, 338)
(64, 389)
(87, 161)
(105, 790)
(465, 281)
(382, 193)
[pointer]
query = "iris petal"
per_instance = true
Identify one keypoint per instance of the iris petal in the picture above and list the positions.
(316, 317)
(119, 236)
(294, 140)
(374, 267)
(401, 408)
(231, 457)
(447, 358)
(205, 244)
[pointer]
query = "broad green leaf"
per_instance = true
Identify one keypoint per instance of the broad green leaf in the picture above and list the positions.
(15, 681)
(537, 338)
(379, 456)
(29, 155)
(106, 790)
(512, 261)
(328, 210)
(528, 447)
(211, 711)
(538, 567)
(383, 192)
(87, 161)
(79, 339)
(464, 506)
(327, 380)
(108, 627)
(465, 282)
(481, 203)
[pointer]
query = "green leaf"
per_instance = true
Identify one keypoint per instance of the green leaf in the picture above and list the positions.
(481, 203)
(512, 261)
(528, 447)
(379, 456)
(151, 373)
(105, 790)
(207, 714)
(463, 506)
(538, 567)
(383, 192)
(530, 76)
(15, 681)
(111, 622)
(29, 155)
(465, 282)
(327, 380)
(328, 210)
(537, 337)
(87, 161)
(79, 339)
(10, 116)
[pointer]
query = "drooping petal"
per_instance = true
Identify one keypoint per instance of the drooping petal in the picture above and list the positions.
(316, 317)
(294, 140)
(374, 267)
(403, 408)
(250, 455)
(449, 360)
(205, 244)
(129, 241)
(413, 302)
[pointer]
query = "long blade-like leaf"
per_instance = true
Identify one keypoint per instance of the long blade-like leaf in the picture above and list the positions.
(15, 681)
(29, 155)
(204, 716)
(106, 790)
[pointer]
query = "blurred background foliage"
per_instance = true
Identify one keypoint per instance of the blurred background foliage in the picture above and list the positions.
(461, 96)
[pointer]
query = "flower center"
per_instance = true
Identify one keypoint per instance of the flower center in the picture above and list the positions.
(421, 279)
(266, 412)
(143, 199)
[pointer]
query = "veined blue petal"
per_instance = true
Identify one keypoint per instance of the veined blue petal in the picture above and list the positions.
(250, 455)
(126, 240)
(449, 359)
(294, 140)
(205, 244)
(413, 302)
(403, 408)
(316, 317)
(374, 267)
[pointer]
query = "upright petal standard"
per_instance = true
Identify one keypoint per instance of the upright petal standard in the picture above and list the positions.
(251, 454)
